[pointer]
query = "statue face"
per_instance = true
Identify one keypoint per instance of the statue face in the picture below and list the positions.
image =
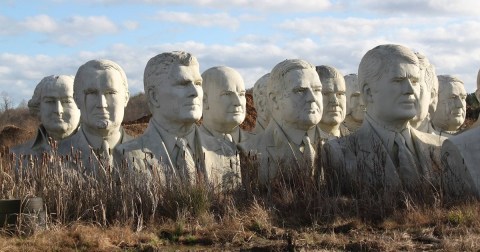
(334, 101)
(357, 107)
(423, 99)
(451, 109)
(181, 94)
(102, 99)
(301, 103)
(227, 102)
(58, 112)
(394, 94)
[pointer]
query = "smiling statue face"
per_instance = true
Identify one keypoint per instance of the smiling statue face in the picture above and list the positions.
(301, 102)
(102, 99)
(334, 101)
(227, 102)
(451, 109)
(181, 94)
(394, 94)
(58, 112)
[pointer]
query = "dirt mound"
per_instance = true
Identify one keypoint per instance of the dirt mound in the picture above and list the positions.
(12, 135)
(135, 129)
(249, 122)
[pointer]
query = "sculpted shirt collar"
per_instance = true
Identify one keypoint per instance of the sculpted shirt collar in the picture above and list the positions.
(171, 139)
(295, 135)
(387, 135)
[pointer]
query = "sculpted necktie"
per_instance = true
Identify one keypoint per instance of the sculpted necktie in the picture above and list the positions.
(105, 153)
(228, 137)
(184, 160)
(406, 166)
(308, 152)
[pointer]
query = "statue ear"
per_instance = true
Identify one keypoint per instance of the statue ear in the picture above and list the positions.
(205, 102)
(127, 97)
(152, 97)
(367, 94)
(273, 98)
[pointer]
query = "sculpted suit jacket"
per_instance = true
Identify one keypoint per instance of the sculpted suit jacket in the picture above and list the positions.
(35, 146)
(273, 150)
(461, 161)
(87, 159)
(360, 162)
(218, 161)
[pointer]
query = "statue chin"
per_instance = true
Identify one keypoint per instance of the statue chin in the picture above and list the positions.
(102, 124)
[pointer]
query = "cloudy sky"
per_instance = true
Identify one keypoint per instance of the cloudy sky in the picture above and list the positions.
(44, 37)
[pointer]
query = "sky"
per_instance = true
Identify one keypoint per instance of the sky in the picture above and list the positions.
(39, 38)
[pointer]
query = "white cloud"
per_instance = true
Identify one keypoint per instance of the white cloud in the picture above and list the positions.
(131, 25)
(68, 31)
(263, 5)
(426, 7)
(199, 19)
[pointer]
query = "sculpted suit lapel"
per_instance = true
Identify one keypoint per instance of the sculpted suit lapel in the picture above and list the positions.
(154, 146)
(373, 161)
(217, 157)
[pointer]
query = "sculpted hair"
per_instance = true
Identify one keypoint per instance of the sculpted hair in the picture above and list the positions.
(160, 66)
(326, 72)
(101, 64)
(445, 80)
(34, 102)
(276, 83)
(259, 87)
(377, 60)
(428, 70)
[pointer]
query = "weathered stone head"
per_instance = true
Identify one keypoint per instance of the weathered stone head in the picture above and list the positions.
(334, 99)
(295, 94)
(451, 109)
(260, 100)
(173, 86)
(101, 93)
(224, 102)
(388, 76)
(355, 105)
(428, 95)
(53, 102)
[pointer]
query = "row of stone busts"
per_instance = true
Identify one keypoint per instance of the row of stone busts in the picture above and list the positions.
(296, 110)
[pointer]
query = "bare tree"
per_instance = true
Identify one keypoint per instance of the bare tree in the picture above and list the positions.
(6, 102)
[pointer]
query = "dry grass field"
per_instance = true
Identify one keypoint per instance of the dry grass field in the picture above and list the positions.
(122, 212)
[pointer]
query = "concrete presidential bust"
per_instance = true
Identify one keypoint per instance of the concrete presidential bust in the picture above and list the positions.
(53, 103)
(172, 144)
(355, 108)
(334, 101)
(452, 106)
(260, 101)
(101, 93)
(224, 104)
(385, 154)
(427, 97)
(291, 137)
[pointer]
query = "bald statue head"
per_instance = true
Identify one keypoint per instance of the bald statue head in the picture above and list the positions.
(224, 102)
(53, 103)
